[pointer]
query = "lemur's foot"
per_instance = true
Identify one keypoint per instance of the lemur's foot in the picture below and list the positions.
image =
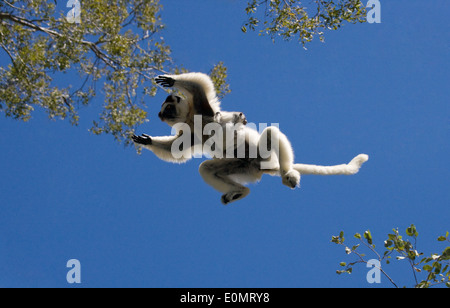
(235, 195)
(291, 178)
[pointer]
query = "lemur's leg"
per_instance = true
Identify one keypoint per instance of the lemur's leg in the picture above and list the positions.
(279, 145)
(217, 173)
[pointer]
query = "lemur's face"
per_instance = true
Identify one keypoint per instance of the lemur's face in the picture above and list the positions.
(174, 110)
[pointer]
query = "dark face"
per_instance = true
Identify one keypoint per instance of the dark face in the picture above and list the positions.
(169, 108)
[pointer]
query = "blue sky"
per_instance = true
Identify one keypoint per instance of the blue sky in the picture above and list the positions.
(136, 221)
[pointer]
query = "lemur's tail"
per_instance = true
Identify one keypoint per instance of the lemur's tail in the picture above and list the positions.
(346, 169)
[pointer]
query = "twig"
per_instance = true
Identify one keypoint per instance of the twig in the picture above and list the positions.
(15, 7)
(9, 54)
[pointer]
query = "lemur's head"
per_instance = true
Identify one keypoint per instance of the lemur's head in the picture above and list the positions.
(174, 110)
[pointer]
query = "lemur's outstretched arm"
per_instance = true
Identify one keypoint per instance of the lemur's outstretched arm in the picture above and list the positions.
(162, 147)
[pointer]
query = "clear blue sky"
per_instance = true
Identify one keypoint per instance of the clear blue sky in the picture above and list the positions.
(136, 221)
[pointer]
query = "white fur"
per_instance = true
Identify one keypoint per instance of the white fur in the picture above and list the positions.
(184, 82)
(228, 175)
(162, 148)
(345, 169)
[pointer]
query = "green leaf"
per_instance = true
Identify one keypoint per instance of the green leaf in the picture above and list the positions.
(341, 236)
(342, 264)
(445, 254)
(358, 236)
(368, 237)
(335, 239)
(437, 267)
(445, 269)
(412, 254)
(411, 231)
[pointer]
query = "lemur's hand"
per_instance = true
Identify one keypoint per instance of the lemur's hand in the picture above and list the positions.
(240, 118)
(218, 117)
(144, 139)
(165, 81)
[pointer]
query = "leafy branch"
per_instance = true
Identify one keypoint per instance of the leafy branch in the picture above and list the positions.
(114, 45)
(289, 18)
(435, 268)
(116, 49)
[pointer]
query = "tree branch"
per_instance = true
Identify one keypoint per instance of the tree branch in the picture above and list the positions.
(27, 23)
(9, 54)
(15, 7)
